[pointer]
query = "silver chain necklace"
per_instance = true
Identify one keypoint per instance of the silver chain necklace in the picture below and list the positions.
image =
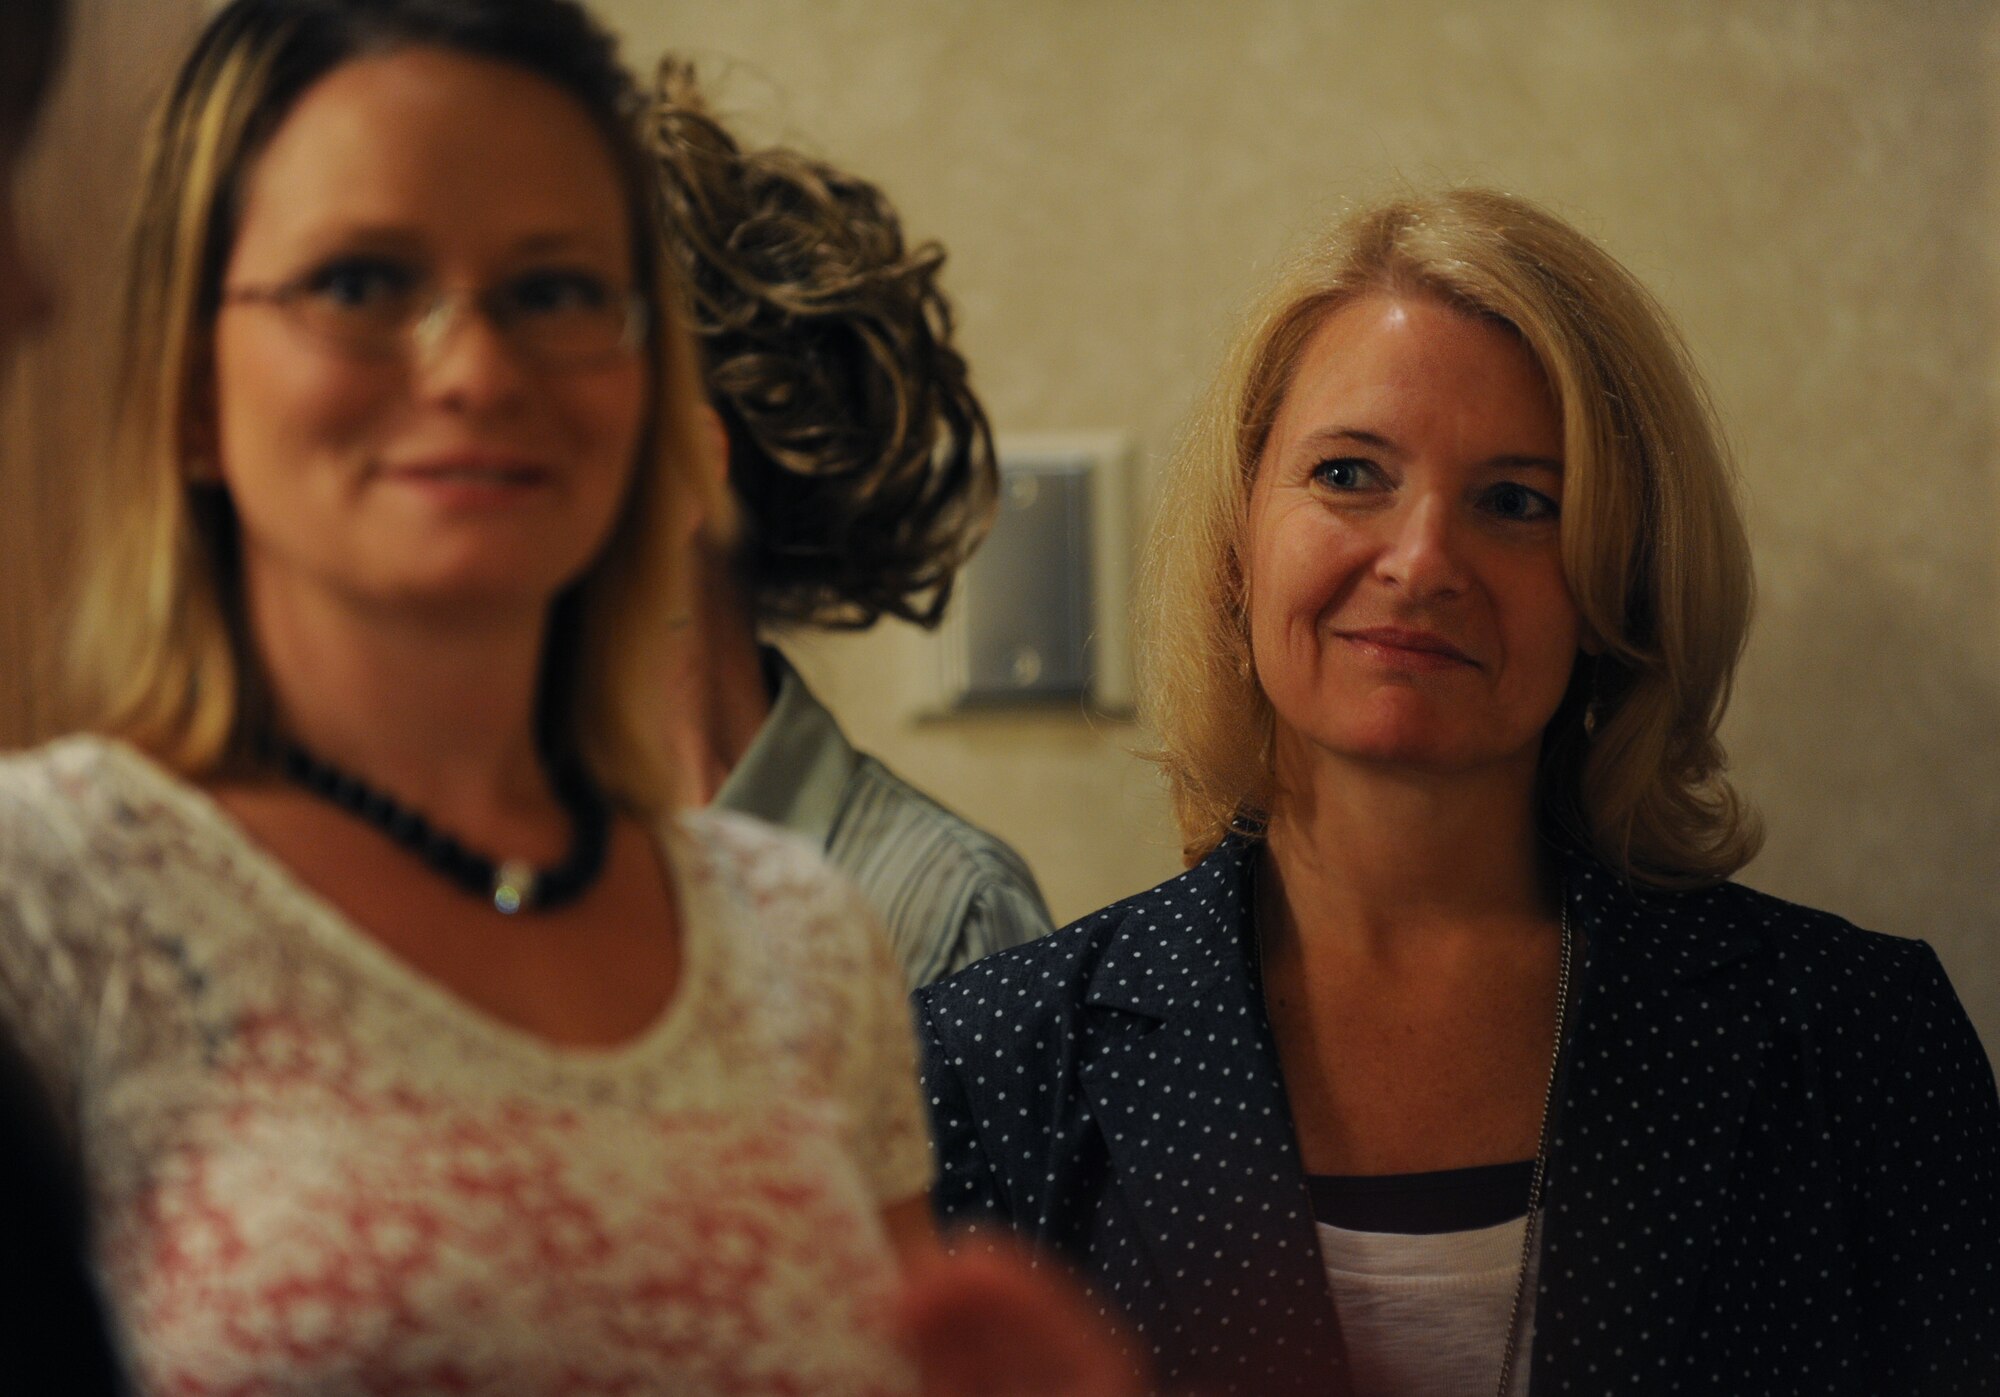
(1531, 1232)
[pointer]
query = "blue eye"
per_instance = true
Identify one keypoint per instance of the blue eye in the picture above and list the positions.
(361, 283)
(1344, 473)
(1511, 500)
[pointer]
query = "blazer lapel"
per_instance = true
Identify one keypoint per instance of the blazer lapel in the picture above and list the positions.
(1183, 1080)
(1661, 1066)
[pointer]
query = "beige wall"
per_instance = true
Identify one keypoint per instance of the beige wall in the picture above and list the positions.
(1809, 186)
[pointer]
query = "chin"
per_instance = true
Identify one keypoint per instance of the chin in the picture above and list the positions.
(1408, 753)
(498, 573)
(478, 590)
(1410, 739)
(1404, 728)
(1398, 725)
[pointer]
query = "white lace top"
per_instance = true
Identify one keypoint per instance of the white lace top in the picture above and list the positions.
(315, 1170)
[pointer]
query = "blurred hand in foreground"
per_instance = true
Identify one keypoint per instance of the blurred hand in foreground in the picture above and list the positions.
(988, 1321)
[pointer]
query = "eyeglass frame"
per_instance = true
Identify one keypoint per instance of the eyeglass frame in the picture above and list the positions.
(425, 331)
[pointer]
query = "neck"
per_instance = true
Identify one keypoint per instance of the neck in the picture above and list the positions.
(1383, 858)
(439, 711)
(720, 701)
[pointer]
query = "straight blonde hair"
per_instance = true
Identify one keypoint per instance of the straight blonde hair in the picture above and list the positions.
(160, 654)
(1653, 545)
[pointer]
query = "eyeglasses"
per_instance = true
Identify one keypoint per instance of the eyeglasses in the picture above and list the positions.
(381, 309)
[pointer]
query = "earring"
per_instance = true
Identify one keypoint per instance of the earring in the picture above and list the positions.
(1599, 702)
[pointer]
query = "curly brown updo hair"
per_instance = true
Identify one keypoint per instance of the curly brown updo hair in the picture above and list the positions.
(863, 463)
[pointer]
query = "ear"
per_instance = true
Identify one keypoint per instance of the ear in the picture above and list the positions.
(711, 515)
(1590, 642)
(716, 437)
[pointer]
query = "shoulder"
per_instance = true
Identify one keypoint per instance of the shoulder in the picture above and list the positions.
(1044, 978)
(743, 845)
(789, 950)
(1811, 941)
(769, 903)
(1816, 963)
(948, 891)
(755, 864)
(76, 801)
(884, 811)
(86, 842)
(1182, 929)
(1819, 941)
(66, 773)
(1803, 965)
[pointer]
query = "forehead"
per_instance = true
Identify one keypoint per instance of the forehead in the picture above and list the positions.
(440, 146)
(1400, 363)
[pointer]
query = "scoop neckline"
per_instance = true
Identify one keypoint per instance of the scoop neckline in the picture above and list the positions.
(1432, 1260)
(341, 935)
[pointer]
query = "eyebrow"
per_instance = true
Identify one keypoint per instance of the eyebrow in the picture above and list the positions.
(1324, 437)
(569, 240)
(333, 233)
(394, 238)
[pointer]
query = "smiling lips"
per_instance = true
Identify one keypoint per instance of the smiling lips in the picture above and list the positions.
(1402, 648)
(471, 477)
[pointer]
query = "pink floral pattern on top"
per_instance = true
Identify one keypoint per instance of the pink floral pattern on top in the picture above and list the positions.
(315, 1171)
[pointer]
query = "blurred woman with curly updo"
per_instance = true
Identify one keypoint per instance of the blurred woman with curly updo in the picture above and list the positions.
(862, 469)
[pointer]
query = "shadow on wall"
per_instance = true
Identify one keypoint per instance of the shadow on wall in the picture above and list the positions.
(1879, 720)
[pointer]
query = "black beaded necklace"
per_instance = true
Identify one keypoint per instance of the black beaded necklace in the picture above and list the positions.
(512, 885)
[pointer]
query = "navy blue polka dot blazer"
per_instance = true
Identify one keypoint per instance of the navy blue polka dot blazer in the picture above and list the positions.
(1774, 1167)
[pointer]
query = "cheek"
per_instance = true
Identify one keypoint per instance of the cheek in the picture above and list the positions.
(603, 417)
(1301, 571)
(272, 402)
(1545, 634)
(1300, 575)
(605, 410)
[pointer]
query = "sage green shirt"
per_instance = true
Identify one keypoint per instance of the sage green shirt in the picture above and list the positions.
(947, 891)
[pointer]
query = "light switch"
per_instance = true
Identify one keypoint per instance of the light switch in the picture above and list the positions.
(1026, 625)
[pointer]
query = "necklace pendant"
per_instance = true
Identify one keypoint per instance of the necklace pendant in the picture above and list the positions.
(513, 886)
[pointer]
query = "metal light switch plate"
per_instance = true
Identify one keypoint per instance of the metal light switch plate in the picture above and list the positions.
(1027, 624)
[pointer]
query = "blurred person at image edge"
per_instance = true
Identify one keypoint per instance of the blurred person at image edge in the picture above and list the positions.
(52, 1319)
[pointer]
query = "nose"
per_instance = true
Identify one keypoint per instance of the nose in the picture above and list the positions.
(462, 358)
(1421, 549)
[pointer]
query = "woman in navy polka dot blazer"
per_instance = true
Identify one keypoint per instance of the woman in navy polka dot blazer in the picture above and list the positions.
(1454, 1064)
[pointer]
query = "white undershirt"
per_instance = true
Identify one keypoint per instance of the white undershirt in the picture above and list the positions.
(1426, 1315)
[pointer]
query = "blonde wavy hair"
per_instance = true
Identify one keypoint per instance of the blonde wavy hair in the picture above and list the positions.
(1653, 545)
(159, 654)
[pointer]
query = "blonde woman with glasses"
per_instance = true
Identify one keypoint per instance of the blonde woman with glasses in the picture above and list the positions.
(1454, 1063)
(410, 1041)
